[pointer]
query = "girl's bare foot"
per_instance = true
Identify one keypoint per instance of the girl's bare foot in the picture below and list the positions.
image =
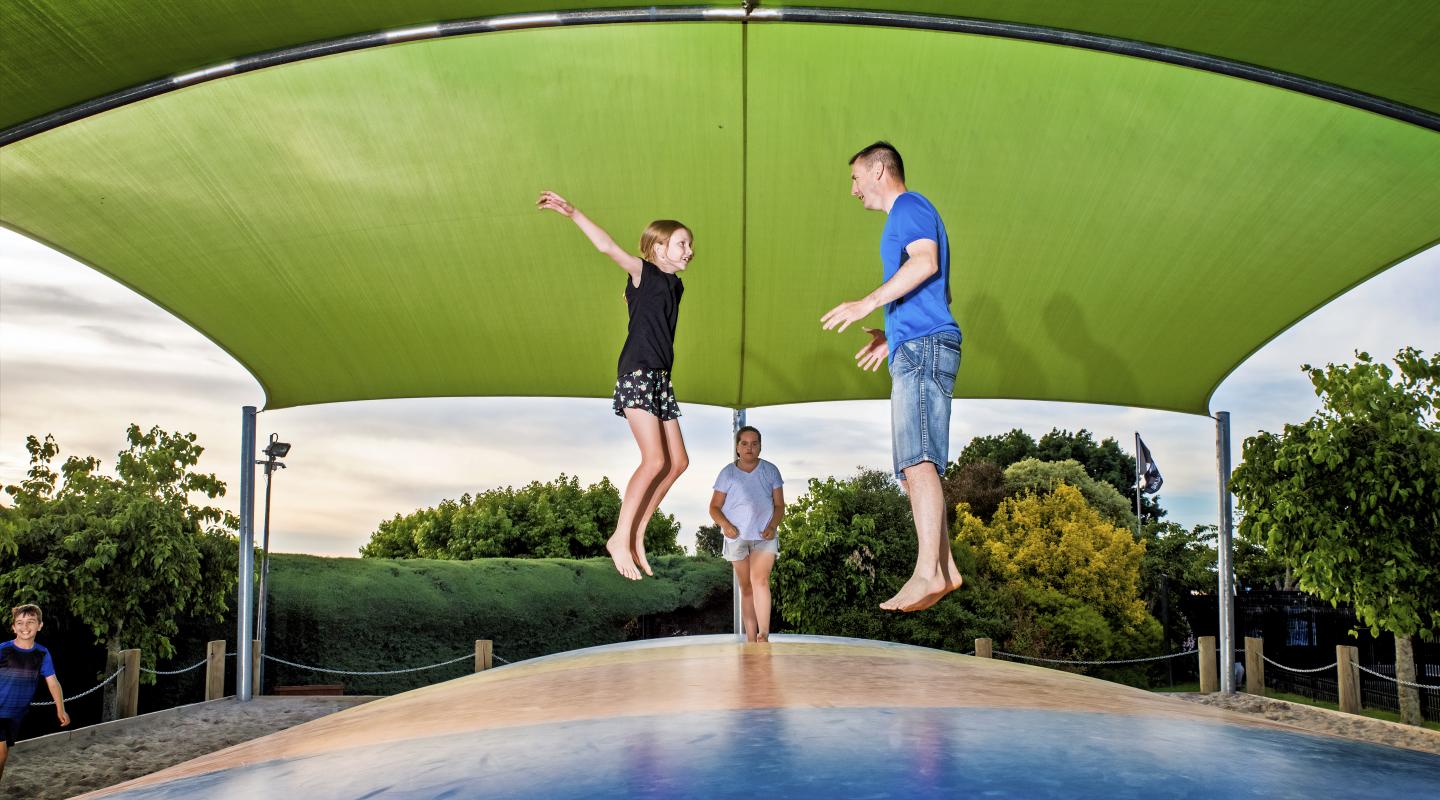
(620, 554)
(638, 553)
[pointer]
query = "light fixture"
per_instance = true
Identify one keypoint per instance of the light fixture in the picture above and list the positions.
(276, 448)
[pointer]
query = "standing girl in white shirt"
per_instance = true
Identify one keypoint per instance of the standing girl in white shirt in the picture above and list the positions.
(748, 504)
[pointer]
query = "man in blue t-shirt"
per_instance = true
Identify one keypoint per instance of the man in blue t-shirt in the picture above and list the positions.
(23, 663)
(922, 343)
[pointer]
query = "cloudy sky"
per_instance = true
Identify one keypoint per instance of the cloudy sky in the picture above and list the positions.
(81, 357)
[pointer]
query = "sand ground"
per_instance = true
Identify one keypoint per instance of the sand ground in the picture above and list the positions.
(1323, 720)
(104, 755)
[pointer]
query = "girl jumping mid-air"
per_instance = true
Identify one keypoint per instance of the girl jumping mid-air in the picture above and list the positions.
(643, 393)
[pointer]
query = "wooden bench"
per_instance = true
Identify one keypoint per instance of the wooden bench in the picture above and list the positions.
(311, 690)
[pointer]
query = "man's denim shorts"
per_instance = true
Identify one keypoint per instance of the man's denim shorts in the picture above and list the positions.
(922, 380)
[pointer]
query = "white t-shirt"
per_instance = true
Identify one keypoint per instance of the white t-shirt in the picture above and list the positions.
(749, 496)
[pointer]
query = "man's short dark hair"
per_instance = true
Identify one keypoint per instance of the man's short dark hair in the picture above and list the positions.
(886, 154)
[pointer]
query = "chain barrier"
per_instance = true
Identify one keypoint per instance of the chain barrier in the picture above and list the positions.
(374, 672)
(196, 665)
(1275, 663)
(102, 684)
(1396, 680)
(1094, 663)
(203, 661)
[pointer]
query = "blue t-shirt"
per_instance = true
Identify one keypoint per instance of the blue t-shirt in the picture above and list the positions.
(749, 496)
(20, 673)
(926, 309)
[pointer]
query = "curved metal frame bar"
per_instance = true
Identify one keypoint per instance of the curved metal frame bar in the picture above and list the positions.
(830, 16)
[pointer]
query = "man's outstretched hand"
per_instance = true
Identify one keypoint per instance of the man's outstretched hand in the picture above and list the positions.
(874, 353)
(846, 313)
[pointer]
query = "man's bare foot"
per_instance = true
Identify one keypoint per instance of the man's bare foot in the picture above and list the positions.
(920, 593)
(620, 554)
(931, 599)
(762, 637)
(638, 553)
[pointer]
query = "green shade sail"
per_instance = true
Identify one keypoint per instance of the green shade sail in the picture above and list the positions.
(58, 54)
(361, 226)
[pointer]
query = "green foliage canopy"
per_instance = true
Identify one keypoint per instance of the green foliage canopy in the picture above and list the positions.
(1351, 497)
(418, 611)
(1177, 562)
(709, 541)
(130, 557)
(1077, 574)
(1041, 477)
(1103, 461)
(980, 485)
(557, 519)
(847, 545)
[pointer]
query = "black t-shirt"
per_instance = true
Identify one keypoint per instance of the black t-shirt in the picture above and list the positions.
(654, 312)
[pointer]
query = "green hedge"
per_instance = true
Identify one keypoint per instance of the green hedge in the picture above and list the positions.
(376, 614)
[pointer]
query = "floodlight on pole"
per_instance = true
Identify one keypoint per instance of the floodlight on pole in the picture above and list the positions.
(276, 449)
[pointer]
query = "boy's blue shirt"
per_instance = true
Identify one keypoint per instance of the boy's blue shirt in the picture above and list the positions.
(21, 671)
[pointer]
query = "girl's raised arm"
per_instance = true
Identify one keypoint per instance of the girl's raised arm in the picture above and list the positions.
(596, 234)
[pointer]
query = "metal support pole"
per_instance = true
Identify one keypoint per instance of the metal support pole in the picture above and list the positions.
(737, 420)
(244, 591)
(1225, 566)
(264, 579)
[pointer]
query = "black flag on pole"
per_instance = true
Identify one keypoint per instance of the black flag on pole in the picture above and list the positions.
(1145, 466)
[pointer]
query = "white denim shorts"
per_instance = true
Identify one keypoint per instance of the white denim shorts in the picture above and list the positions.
(740, 549)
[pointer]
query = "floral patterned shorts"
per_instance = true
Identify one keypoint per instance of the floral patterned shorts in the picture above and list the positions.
(648, 390)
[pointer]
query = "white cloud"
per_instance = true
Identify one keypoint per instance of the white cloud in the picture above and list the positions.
(81, 357)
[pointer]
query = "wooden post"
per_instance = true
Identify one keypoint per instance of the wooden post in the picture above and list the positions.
(215, 670)
(254, 667)
(1255, 666)
(484, 654)
(1347, 678)
(127, 702)
(983, 648)
(1209, 678)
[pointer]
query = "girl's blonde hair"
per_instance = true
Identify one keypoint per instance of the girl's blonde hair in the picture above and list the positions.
(658, 232)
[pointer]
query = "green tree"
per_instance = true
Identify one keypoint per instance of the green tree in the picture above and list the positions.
(558, 519)
(978, 484)
(1058, 541)
(849, 544)
(1041, 477)
(709, 541)
(130, 557)
(1104, 460)
(1176, 563)
(1257, 566)
(1350, 498)
(1002, 450)
(1077, 575)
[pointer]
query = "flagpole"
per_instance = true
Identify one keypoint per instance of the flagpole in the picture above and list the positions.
(1138, 527)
